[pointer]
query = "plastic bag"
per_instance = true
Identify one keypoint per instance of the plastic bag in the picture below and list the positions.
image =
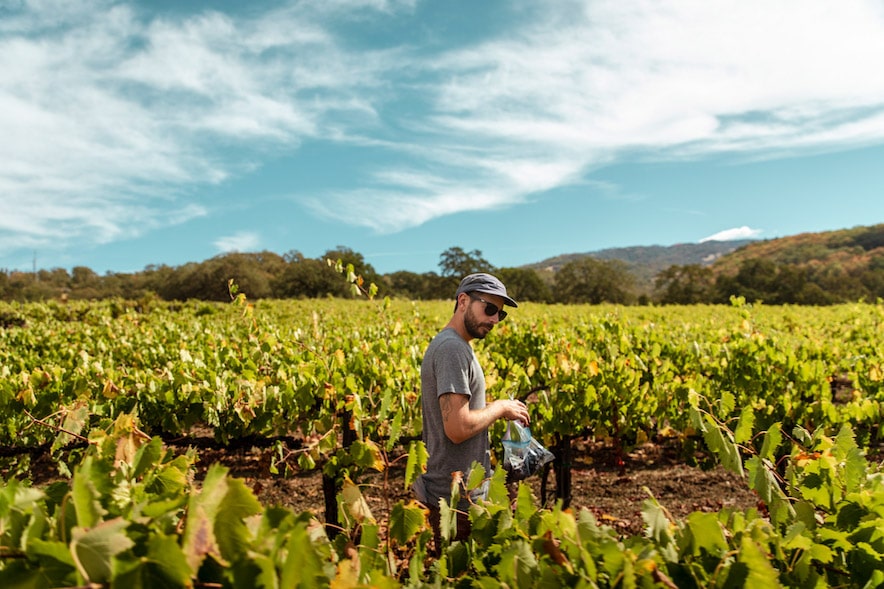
(523, 455)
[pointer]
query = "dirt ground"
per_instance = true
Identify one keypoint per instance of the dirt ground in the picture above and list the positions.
(614, 494)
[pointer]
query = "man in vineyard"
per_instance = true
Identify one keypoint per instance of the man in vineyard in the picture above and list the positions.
(456, 417)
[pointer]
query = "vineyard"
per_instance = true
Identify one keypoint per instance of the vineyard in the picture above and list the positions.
(122, 397)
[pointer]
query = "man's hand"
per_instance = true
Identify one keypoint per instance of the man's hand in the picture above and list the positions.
(461, 423)
(513, 410)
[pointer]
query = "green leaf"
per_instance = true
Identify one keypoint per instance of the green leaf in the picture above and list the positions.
(761, 572)
(38, 549)
(764, 482)
(707, 533)
(447, 520)
(303, 565)
(74, 421)
(164, 566)
(477, 476)
(727, 402)
(148, 456)
(772, 440)
(518, 565)
(238, 504)
(366, 454)
(93, 550)
(855, 464)
(305, 461)
(802, 435)
(497, 491)
(525, 506)
(84, 494)
(202, 511)
(743, 431)
(660, 529)
(406, 521)
(370, 556)
(719, 441)
(416, 463)
(395, 431)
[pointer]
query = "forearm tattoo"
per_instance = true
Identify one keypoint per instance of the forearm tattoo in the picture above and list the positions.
(445, 406)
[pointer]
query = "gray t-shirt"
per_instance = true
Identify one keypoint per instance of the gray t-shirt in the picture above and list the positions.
(449, 366)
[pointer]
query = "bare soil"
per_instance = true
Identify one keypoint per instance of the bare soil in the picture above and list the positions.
(613, 492)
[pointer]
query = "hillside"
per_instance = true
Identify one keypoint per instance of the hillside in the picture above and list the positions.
(830, 252)
(843, 249)
(644, 262)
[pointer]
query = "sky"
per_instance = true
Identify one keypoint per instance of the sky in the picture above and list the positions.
(139, 133)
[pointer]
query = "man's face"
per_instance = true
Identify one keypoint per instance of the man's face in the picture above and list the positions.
(476, 321)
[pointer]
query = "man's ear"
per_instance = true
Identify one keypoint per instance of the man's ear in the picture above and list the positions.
(460, 299)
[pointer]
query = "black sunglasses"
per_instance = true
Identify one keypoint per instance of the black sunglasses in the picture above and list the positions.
(490, 308)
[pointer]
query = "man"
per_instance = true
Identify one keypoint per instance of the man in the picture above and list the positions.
(456, 417)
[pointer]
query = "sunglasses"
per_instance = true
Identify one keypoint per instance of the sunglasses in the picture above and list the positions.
(490, 308)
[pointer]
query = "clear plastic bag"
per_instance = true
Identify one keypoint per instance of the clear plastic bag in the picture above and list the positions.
(523, 455)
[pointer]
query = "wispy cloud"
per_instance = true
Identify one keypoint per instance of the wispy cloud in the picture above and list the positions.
(113, 118)
(243, 241)
(577, 88)
(733, 234)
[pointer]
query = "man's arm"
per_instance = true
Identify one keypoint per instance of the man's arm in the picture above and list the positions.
(462, 423)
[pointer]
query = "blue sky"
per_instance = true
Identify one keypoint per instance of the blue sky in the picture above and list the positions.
(166, 132)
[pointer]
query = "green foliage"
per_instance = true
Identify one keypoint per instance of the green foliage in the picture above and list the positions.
(455, 263)
(589, 280)
(749, 383)
(684, 285)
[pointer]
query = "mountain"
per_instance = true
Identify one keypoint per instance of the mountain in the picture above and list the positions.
(846, 249)
(644, 262)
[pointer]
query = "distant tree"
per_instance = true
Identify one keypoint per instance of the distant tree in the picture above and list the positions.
(873, 278)
(253, 274)
(755, 280)
(360, 267)
(310, 278)
(684, 285)
(594, 281)
(456, 263)
(28, 287)
(56, 279)
(159, 279)
(762, 280)
(839, 283)
(524, 284)
(85, 283)
(127, 285)
(812, 294)
(410, 285)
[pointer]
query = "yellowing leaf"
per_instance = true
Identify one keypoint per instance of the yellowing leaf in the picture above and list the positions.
(355, 503)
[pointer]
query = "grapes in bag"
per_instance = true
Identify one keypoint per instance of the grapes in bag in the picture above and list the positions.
(523, 455)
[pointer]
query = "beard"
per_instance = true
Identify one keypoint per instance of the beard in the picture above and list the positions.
(474, 327)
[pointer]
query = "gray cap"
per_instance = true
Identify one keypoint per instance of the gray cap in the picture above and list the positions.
(485, 283)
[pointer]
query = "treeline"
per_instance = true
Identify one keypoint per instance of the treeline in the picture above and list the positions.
(759, 279)
(584, 280)
(264, 275)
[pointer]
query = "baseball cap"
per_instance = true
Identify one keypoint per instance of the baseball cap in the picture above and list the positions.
(486, 283)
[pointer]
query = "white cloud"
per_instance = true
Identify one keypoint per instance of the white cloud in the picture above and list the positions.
(733, 234)
(659, 74)
(594, 82)
(243, 241)
(112, 117)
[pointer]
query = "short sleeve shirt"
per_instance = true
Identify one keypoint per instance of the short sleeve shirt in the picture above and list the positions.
(450, 366)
